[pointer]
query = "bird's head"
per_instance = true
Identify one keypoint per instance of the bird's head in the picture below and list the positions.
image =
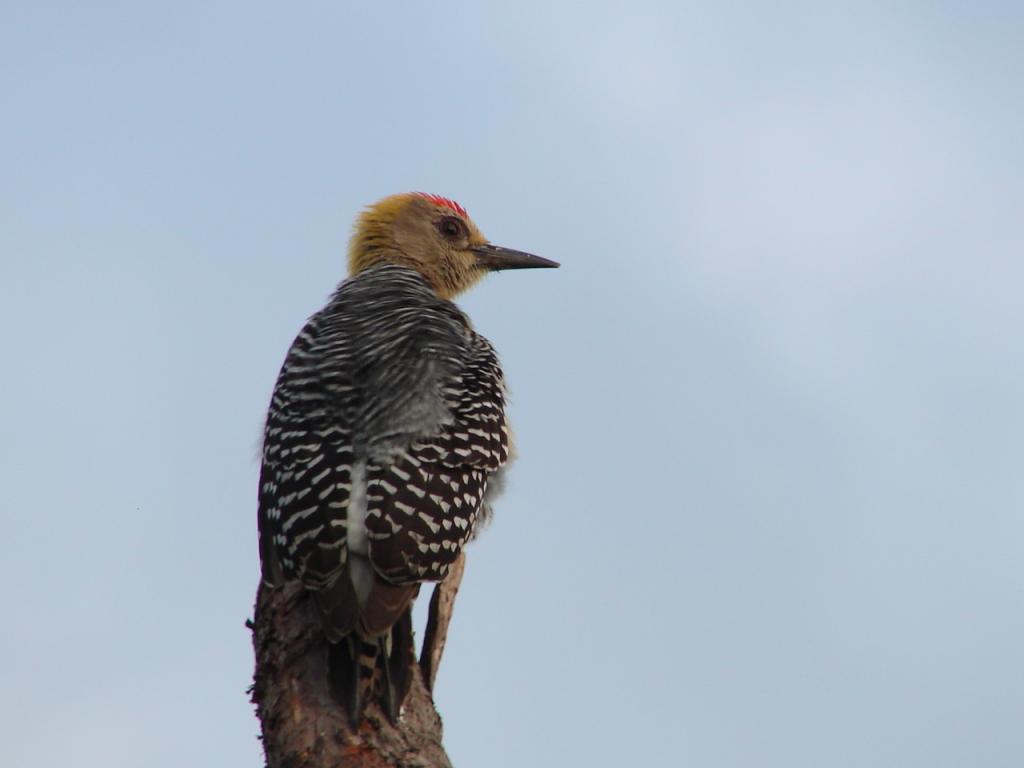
(434, 236)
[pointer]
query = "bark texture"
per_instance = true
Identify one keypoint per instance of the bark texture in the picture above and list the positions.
(303, 726)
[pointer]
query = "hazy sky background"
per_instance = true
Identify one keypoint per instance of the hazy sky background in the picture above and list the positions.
(768, 510)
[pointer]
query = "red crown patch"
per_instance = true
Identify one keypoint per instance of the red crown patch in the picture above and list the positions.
(438, 200)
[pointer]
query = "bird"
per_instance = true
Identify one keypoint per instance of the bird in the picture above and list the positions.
(386, 439)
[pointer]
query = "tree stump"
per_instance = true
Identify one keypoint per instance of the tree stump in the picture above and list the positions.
(303, 726)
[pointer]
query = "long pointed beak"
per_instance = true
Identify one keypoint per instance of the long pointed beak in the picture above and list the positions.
(494, 258)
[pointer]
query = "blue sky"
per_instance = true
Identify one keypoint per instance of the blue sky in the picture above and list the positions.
(768, 505)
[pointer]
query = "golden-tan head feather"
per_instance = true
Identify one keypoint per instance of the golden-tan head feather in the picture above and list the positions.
(430, 234)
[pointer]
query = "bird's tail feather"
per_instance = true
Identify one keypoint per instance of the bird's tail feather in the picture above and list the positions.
(400, 660)
(362, 670)
(350, 666)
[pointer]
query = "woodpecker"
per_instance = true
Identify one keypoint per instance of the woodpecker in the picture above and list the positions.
(385, 439)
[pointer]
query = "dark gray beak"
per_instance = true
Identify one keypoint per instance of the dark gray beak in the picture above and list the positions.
(495, 258)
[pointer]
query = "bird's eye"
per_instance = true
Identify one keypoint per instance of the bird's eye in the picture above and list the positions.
(450, 227)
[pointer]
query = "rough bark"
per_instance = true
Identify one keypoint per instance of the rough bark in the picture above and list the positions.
(303, 726)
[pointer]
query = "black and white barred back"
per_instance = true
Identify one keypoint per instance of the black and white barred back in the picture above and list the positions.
(385, 430)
